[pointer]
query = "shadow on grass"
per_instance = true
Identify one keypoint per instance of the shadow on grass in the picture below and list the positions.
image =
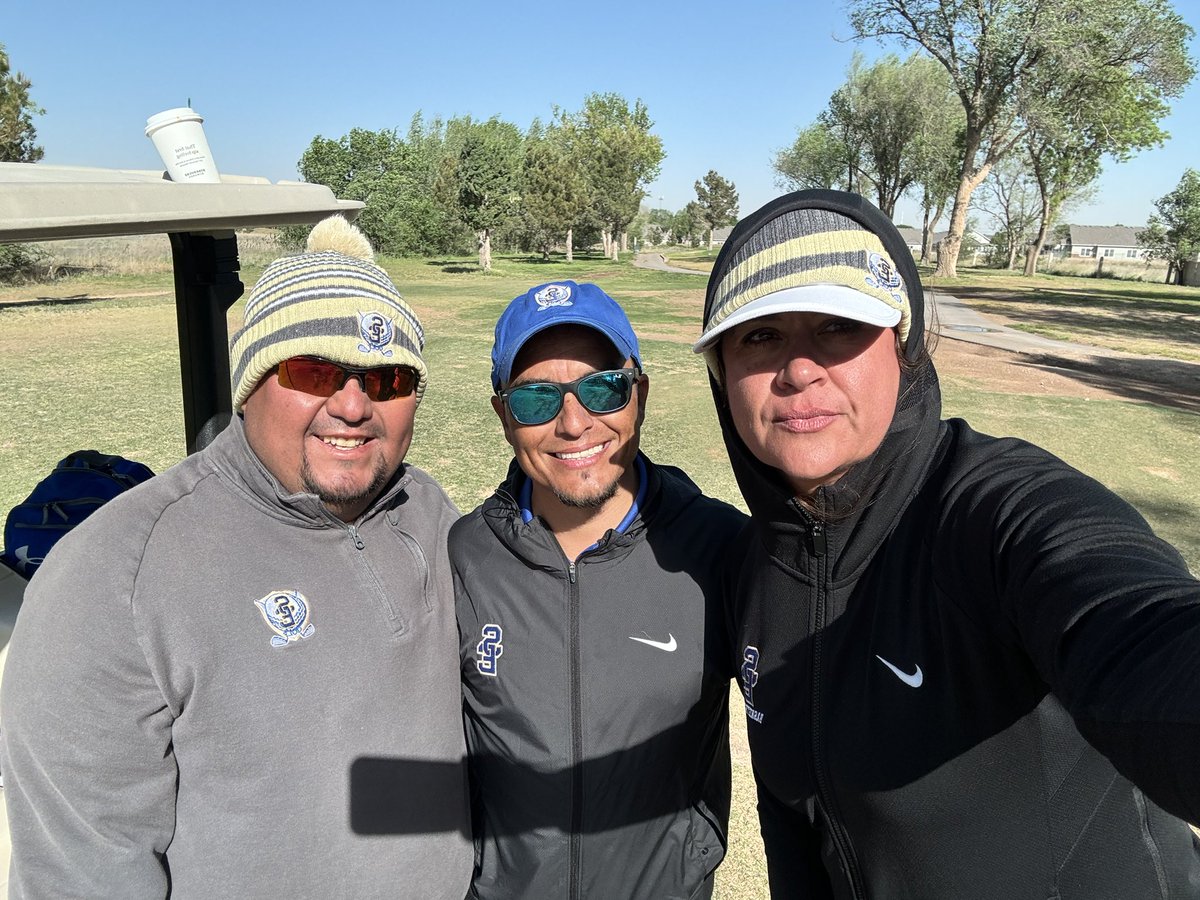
(73, 300)
(1168, 383)
(1124, 299)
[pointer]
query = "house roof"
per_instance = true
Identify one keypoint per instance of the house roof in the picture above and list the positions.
(1104, 236)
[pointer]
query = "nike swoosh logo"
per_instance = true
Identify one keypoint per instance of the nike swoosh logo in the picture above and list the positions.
(914, 680)
(669, 645)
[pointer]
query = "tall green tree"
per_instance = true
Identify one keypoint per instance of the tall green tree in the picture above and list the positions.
(1173, 233)
(552, 189)
(407, 211)
(1000, 54)
(18, 135)
(487, 174)
(718, 201)
(620, 157)
(362, 165)
(1072, 122)
(886, 130)
(884, 111)
(685, 223)
(818, 158)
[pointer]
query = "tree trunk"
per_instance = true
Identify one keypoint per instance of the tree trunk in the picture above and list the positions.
(1012, 255)
(570, 243)
(485, 250)
(624, 241)
(926, 237)
(970, 179)
(710, 234)
(1031, 258)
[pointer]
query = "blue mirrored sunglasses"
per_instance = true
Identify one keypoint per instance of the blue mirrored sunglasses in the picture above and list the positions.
(537, 402)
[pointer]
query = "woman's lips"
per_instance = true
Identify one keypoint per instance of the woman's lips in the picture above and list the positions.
(805, 421)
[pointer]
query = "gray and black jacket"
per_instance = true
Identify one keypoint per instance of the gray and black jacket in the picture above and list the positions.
(596, 697)
(970, 672)
(165, 736)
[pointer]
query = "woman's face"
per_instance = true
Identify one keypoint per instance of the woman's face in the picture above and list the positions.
(809, 393)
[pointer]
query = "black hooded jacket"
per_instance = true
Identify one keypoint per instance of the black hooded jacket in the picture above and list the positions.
(971, 672)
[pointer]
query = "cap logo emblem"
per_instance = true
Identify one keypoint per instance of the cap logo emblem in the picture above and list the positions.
(883, 275)
(287, 614)
(553, 295)
(376, 331)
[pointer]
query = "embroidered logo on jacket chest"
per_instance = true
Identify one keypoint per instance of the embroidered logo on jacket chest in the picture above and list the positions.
(489, 650)
(288, 614)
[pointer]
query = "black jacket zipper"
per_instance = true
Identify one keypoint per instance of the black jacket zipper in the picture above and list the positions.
(818, 545)
(574, 890)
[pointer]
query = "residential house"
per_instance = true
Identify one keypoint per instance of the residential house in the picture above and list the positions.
(1104, 241)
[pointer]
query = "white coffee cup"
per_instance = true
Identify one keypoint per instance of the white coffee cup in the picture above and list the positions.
(178, 136)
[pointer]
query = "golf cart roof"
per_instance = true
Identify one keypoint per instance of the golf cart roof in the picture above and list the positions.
(45, 203)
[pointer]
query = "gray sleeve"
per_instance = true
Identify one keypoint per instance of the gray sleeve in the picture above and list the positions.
(89, 773)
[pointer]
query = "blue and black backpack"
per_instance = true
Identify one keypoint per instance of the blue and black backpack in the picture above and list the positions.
(78, 486)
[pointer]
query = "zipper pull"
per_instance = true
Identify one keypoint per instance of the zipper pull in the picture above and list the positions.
(358, 542)
(817, 533)
(571, 572)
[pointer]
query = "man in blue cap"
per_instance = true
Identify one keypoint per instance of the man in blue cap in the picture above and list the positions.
(595, 676)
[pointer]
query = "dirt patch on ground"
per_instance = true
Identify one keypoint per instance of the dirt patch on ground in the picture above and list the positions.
(1150, 380)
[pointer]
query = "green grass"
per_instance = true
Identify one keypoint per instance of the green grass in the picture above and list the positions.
(105, 375)
(1133, 317)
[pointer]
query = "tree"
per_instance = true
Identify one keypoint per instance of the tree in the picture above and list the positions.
(1002, 53)
(1174, 233)
(885, 130)
(18, 136)
(486, 174)
(1071, 124)
(883, 112)
(818, 158)
(408, 211)
(362, 165)
(1063, 174)
(685, 223)
(619, 156)
(552, 189)
(718, 202)
(1011, 199)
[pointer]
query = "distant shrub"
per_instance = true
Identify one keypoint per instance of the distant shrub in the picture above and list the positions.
(21, 262)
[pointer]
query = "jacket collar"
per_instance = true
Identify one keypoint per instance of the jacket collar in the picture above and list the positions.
(536, 544)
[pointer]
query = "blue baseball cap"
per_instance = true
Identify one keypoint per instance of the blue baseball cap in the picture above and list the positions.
(559, 303)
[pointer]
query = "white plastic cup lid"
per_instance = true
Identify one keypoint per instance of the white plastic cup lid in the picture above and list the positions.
(170, 116)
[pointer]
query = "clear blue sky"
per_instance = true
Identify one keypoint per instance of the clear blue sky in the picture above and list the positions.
(727, 84)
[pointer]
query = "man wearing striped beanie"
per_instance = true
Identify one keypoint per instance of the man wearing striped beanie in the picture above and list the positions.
(242, 679)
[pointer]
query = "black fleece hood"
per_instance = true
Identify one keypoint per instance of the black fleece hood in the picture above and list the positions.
(892, 469)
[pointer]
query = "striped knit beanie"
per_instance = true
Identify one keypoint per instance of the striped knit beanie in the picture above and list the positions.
(805, 260)
(331, 301)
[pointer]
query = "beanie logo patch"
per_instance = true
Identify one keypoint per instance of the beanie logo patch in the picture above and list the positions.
(884, 275)
(376, 331)
(553, 295)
